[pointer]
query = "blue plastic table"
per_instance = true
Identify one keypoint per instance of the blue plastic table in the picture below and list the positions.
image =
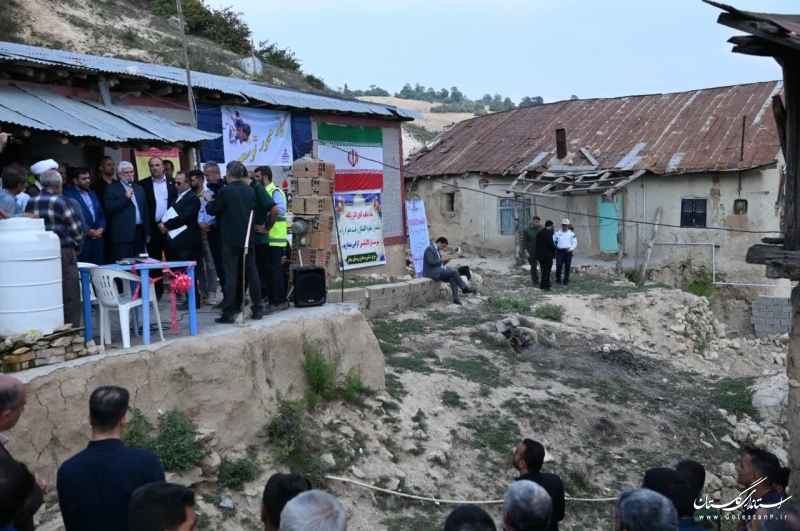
(144, 273)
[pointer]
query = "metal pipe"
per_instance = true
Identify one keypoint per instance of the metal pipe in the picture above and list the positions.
(778, 286)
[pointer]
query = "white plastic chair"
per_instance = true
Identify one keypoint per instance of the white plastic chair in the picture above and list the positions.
(105, 286)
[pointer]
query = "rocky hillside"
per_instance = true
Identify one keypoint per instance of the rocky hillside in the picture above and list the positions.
(126, 29)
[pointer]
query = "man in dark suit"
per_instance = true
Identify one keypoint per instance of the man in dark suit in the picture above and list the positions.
(545, 253)
(233, 206)
(160, 192)
(186, 246)
(433, 267)
(528, 460)
(94, 216)
(127, 214)
(12, 403)
(96, 484)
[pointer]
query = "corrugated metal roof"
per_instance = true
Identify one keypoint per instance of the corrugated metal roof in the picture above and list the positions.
(682, 132)
(39, 108)
(167, 74)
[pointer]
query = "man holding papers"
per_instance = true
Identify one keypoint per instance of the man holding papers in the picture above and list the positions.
(179, 225)
(160, 193)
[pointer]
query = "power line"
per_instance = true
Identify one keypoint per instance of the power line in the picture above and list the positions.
(567, 212)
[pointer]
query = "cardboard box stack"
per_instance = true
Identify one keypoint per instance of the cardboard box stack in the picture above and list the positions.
(312, 199)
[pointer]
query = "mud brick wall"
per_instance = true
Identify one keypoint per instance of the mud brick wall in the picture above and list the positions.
(771, 316)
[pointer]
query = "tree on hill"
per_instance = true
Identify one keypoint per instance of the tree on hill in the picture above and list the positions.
(283, 58)
(527, 101)
(573, 97)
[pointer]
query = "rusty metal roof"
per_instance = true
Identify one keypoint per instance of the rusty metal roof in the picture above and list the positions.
(699, 130)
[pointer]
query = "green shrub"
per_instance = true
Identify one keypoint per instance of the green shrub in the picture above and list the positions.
(279, 57)
(288, 429)
(320, 372)
(353, 385)
(315, 82)
(452, 399)
(233, 474)
(551, 312)
(175, 445)
(225, 26)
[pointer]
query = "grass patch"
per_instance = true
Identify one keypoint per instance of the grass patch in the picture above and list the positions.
(477, 369)
(416, 522)
(734, 396)
(408, 363)
(452, 399)
(583, 284)
(509, 304)
(551, 312)
(420, 419)
(613, 392)
(320, 372)
(389, 333)
(700, 344)
(448, 321)
(702, 287)
(234, 474)
(395, 387)
(175, 444)
(490, 342)
(494, 433)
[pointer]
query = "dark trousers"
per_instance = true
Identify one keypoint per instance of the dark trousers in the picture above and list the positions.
(277, 287)
(93, 251)
(534, 275)
(455, 279)
(215, 244)
(546, 265)
(264, 272)
(563, 260)
(108, 248)
(156, 248)
(131, 249)
(231, 263)
(187, 255)
(71, 287)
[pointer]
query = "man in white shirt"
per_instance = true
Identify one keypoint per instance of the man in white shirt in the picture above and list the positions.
(566, 242)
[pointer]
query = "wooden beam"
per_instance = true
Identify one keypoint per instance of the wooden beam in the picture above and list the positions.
(625, 182)
(749, 26)
(791, 90)
(602, 178)
(779, 112)
(772, 241)
(764, 254)
(782, 270)
(589, 157)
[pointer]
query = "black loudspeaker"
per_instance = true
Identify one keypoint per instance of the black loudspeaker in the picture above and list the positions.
(309, 286)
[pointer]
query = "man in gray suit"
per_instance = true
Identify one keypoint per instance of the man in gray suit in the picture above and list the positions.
(433, 268)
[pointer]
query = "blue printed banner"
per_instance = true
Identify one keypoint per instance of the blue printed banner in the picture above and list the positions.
(360, 222)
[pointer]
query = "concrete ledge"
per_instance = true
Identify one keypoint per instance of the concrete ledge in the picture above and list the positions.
(350, 295)
(381, 299)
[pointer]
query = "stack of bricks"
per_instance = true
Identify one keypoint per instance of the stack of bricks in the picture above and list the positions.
(771, 316)
(27, 351)
(312, 200)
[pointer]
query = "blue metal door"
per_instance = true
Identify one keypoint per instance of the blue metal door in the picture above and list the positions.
(608, 224)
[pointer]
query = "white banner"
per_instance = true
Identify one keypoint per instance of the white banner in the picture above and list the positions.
(256, 137)
(360, 222)
(417, 233)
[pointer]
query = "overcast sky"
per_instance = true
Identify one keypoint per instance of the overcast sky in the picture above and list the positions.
(551, 48)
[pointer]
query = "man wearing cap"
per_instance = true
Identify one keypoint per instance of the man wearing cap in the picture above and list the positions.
(566, 243)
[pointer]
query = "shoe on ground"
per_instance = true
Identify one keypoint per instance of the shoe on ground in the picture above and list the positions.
(226, 319)
(457, 302)
(284, 305)
(272, 308)
(257, 315)
(220, 305)
(467, 290)
(211, 298)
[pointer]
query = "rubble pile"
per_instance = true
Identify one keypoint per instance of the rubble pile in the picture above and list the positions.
(32, 349)
(696, 329)
(518, 336)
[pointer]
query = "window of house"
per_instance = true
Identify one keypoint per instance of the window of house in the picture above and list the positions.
(507, 208)
(449, 202)
(693, 212)
(740, 207)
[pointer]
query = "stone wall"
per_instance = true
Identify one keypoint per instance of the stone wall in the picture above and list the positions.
(771, 316)
(381, 299)
(30, 350)
(226, 382)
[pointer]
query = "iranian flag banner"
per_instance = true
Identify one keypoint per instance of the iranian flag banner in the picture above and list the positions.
(357, 153)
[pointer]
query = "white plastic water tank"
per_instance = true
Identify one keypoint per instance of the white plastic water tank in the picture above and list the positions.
(30, 277)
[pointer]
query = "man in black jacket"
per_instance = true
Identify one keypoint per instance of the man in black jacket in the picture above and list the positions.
(233, 207)
(528, 459)
(545, 253)
(12, 403)
(186, 246)
(126, 214)
(160, 192)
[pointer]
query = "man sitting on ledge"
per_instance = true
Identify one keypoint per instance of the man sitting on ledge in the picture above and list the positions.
(433, 268)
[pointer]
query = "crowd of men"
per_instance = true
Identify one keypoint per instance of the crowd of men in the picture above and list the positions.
(543, 245)
(109, 486)
(197, 216)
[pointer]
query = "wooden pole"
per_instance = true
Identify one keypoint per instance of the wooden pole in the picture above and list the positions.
(649, 250)
(791, 76)
(244, 263)
(193, 160)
